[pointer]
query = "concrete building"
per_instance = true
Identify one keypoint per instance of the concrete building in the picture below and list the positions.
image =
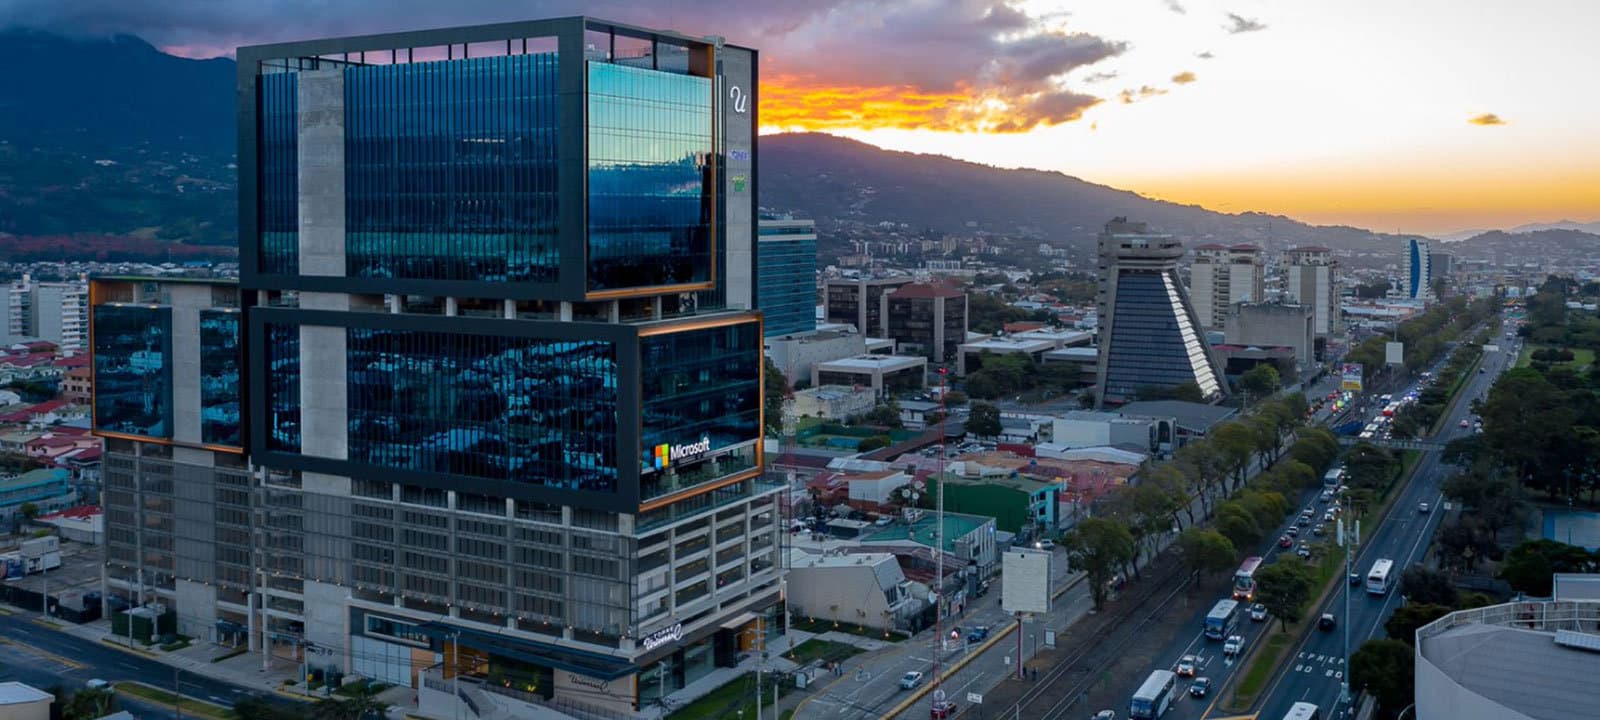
(928, 319)
(1530, 660)
(1222, 276)
(1192, 420)
(1311, 278)
(1149, 334)
(1078, 429)
(1416, 275)
(867, 589)
(75, 385)
(1441, 265)
(971, 354)
(24, 702)
(833, 402)
(48, 489)
(1276, 325)
(786, 275)
(796, 356)
(885, 374)
(522, 437)
(179, 492)
(970, 538)
(861, 302)
(54, 311)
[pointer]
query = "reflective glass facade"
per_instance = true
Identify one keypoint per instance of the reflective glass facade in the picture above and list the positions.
(535, 411)
(282, 407)
(699, 385)
(650, 189)
(279, 168)
(1153, 343)
(133, 370)
(450, 170)
(786, 283)
(219, 378)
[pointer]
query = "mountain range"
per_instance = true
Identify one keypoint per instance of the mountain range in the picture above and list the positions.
(110, 136)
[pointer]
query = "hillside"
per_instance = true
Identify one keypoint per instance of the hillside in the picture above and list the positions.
(1553, 246)
(840, 181)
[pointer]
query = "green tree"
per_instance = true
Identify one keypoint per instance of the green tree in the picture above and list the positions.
(955, 397)
(873, 443)
(1205, 469)
(984, 420)
(1369, 467)
(1100, 547)
(1462, 544)
(1236, 524)
(885, 415)
(775, 392)
(1205, 552)
(1284, 588)
(1260, 381)
(1528, 566)
(257, 707)
(87, 704)
(1403, 624)
(362, 704)
(1384, 668)
(29, 511)
(1424, 585)
(1235, 442)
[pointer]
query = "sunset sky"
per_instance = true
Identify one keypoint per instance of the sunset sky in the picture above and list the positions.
(1398, 115)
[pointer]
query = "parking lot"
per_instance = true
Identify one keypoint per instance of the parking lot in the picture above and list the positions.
(79, 572)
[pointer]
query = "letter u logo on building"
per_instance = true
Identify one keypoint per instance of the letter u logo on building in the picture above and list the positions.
(738, 99)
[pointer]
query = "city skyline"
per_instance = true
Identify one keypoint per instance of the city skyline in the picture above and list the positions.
(1427, 117)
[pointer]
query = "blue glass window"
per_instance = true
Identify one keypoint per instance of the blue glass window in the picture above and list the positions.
(450, 170)
(219, 378)
(699, 385)
(1152, 342)
(279, 181)
(526, 410)
(649, 178)
(133, 370)
(786, 284)
(283, 387)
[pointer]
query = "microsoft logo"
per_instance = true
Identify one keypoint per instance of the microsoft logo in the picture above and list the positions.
(665, 454)
(662, 454)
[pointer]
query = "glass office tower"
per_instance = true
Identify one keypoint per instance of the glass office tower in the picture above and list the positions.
(504, 385)
(786, 285)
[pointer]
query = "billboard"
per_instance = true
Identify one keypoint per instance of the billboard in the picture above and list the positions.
(1394, 353)
(1350, 377)
(1025, 587)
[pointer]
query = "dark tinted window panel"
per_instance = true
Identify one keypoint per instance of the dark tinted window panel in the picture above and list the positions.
(283, 387)
(1152, 343)
(133, 370)
(542, 412)
(450, 170)
(699, 385)
(279, 163)
(219, 378)
(650, 199)
(786, 281)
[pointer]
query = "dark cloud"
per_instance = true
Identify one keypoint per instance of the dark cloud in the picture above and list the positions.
(1204, 55)
(1241, 24)
(1132, 95)
(1184, 78)
(986, 50)
(1486, 119)
(1100, 77)
(1176, 7)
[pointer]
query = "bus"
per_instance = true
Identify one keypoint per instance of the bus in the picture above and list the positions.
(1154, 697)
(1333, 478)
(1381, 577)
(1244, 581)
(1222, 619)
(1303, 711)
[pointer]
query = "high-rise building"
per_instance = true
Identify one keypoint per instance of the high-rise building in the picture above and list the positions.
(167, 359)
(1149, 335)
(57, 311)
(928, 319)
(786, 275)
(1222, 276)
(503, 369)
(1440, 265)
(862, 302)
(1311, 277)
(1415, 275)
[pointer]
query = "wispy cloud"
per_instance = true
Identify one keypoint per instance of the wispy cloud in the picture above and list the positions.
(1184, 78)
(1132, 95)
(1100, 77)
(1176, 7)
(1241, 24)
(1486, 119)
(1204, 55)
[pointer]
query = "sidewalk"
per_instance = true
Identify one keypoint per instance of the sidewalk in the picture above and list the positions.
(244, 670)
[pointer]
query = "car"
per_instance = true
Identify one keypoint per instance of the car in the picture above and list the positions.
(1465, 423)
(1424, 508)
(1355, 579)
(1199, 687)
(1327, 622)
(1482, 371)
(1303, 520)
(884, 521)
(978, 634)
(1326, 496)
(1292, 531)
(97, 684)
(1045, 544)
(1187, 665)
(1327, 517)
(1233, 645)
(1284, 541)
(1105, 715)
(1320, 529)
(1303, 551)
(1258, 612)
(910, 680)
(942, 709)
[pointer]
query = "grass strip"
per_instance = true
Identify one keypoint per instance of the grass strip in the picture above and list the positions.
(1266, 660)
(190, 707)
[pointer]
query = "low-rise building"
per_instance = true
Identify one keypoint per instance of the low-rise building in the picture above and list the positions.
(797, 356)
(1275, 325)
(75, 384)
(833, 402)
(84, 524)
(971, 355)
(48, 489)
(873, 489)
(24, 702)
(970, 538)
(1082, 429)
(867, 589)
(883, 373)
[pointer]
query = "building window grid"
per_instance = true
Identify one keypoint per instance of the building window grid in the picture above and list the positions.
(219, 378)
(278, 148)
(701, 384)
(133, 370)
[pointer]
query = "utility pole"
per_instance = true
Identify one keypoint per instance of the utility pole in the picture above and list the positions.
(760, 656)
(938, 549)
(177, 693)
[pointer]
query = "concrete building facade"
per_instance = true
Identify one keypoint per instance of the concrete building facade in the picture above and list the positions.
(928, 319)
(1276, 325)
(1529, 660)
(861, 302)
(1222, 276)
(1311, 278)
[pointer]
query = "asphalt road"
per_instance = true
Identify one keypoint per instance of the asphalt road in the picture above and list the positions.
(1316, 668)
(34, 654)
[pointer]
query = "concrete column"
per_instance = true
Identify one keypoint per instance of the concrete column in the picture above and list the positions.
(321, 174)
(508, 309)
(564, 314)
(452, 307)
(324, 407)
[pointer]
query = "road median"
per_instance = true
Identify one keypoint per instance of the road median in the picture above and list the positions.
(190, 707)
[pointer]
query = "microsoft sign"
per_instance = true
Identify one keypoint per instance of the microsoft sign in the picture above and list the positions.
(666, 454)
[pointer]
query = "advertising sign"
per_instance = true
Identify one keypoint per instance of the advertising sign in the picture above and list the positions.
(1025, 587)
(1350, 377)
(1394, 353)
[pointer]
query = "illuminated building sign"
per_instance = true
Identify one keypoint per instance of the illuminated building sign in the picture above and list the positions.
(666, 454)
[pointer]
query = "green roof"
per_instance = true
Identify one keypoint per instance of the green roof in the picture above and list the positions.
(922, 531)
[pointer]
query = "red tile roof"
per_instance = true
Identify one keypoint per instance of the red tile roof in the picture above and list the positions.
(82, 512)
(76, 361)
(1211, 246)
(925, 290)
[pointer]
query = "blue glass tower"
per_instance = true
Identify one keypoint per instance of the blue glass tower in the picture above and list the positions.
(506, 361)
(786, 275)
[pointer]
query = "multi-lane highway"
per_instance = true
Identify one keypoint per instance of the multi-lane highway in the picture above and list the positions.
(1315, 667)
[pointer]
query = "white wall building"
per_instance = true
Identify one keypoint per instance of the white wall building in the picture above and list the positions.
(1222, 275)
(866, 589)
(1311, 277)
